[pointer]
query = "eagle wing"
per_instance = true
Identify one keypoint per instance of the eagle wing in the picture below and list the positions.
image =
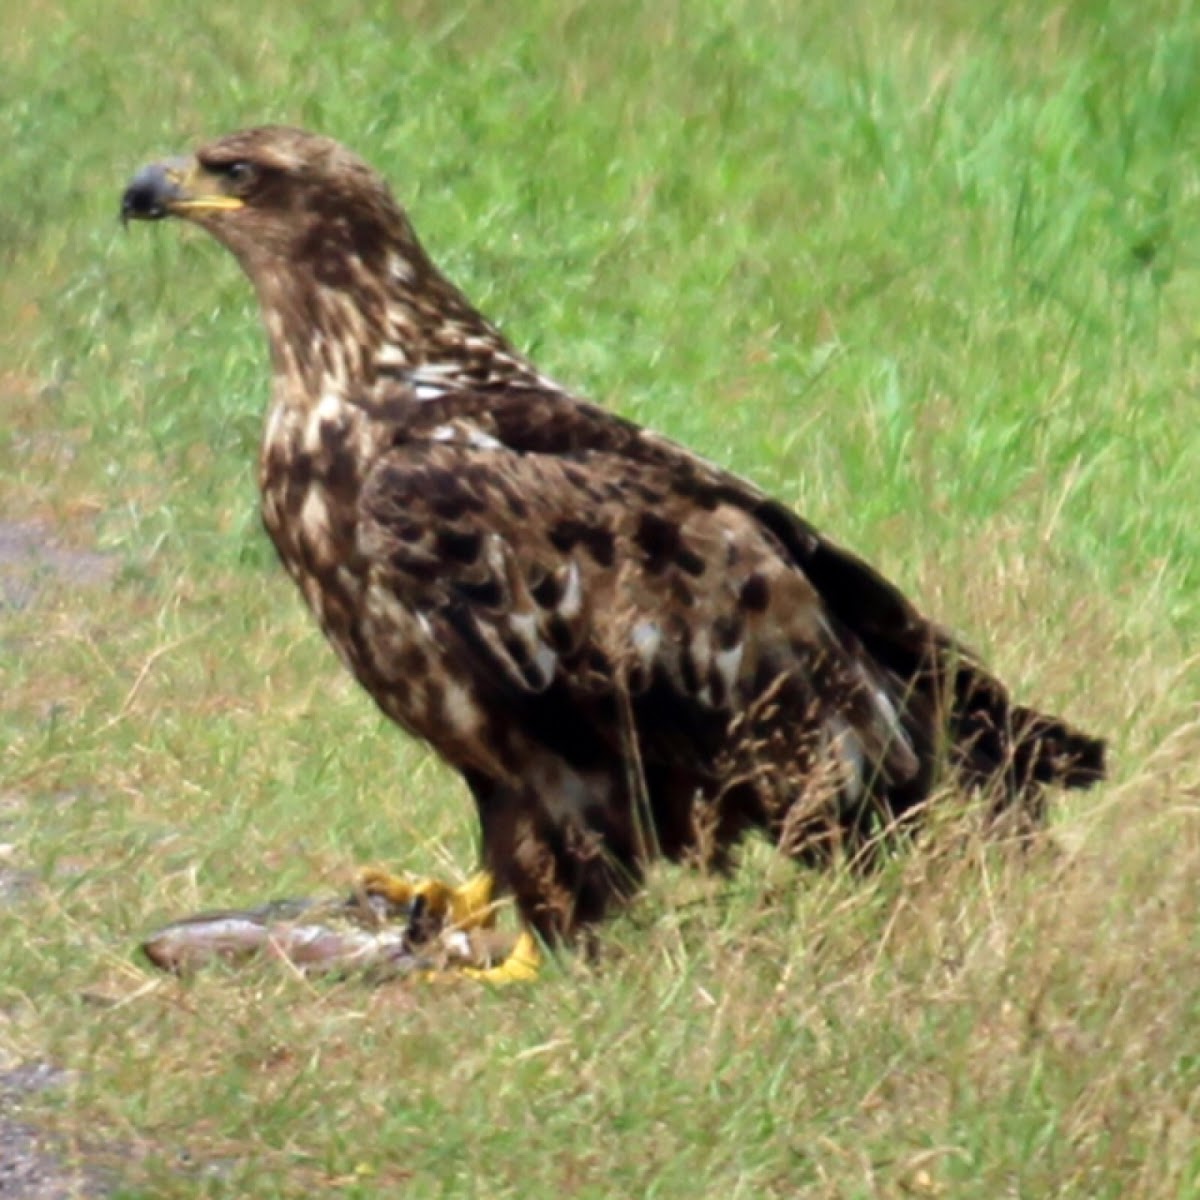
(573, 559)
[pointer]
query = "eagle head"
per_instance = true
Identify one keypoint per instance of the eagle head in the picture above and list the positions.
(337, 266)
(281, 200)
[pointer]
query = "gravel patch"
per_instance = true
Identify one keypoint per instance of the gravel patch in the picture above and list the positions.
(30, 1166)
(33, 559)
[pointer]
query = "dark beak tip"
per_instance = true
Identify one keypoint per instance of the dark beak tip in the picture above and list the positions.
(138, 210)
(146, 196)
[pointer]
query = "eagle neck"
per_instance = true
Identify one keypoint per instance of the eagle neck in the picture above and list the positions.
(412, 327)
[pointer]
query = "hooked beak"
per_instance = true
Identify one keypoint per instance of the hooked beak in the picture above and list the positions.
(174, 187)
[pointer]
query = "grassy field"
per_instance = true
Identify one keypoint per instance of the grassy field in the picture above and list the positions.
(929, 271)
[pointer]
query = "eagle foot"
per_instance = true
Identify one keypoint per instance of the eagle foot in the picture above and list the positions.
(438, 907)
(435, 904)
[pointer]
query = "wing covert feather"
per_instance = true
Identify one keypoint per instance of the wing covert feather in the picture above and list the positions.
(593, 572)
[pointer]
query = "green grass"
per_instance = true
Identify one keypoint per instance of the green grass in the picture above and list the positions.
(930, 272)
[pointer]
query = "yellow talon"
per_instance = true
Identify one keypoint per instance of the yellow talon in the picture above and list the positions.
(522, 964)
(467, 906)
(375, 881)
(471, 903)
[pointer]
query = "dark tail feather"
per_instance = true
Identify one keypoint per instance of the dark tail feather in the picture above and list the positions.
(997, 742)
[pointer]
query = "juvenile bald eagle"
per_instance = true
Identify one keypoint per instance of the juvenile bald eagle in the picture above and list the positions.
(625, 650)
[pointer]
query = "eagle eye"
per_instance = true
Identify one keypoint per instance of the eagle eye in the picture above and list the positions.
(240, 172)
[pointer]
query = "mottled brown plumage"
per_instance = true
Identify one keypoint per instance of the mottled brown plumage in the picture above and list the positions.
(625, 650)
